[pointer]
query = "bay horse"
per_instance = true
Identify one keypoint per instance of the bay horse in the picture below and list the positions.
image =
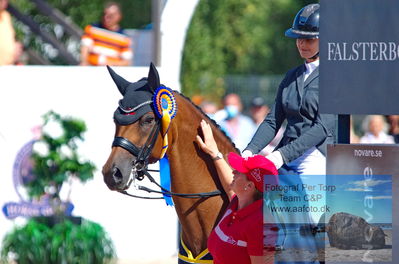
(140, 139)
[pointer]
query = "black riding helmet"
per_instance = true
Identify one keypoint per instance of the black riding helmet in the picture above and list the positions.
(306, 23)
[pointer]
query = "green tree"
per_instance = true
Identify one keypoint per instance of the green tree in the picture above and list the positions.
(237, 37)
(56, 156)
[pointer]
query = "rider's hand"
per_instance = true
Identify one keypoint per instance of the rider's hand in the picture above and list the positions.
(276, 158)
(247, 153)
(208, 145)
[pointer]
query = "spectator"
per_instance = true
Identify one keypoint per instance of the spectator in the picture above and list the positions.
(209, 108)
(375, 128)
(238, 127)
(105, 43)
(393, 121)
(259, 111)
(353, 137)
(7, 36)
(19, 55)
(197, 99)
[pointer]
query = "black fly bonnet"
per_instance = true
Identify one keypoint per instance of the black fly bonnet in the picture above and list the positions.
(137, 97)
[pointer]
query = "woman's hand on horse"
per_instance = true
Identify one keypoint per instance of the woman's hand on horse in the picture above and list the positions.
(208, 144)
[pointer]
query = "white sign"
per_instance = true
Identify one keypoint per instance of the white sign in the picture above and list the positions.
(141, 229)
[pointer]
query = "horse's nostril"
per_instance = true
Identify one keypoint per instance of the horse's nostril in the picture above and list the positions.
(117, 175)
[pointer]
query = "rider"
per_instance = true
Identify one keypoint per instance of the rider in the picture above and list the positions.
(303, 146)
(302, 150)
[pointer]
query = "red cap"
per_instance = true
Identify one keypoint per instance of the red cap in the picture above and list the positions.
(255, 168)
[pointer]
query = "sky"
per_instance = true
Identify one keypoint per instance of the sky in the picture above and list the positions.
(367, 197)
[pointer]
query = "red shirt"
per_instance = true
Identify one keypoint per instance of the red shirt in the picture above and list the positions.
(238, 235)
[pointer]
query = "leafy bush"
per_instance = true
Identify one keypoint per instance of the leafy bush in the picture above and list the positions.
(65, 242)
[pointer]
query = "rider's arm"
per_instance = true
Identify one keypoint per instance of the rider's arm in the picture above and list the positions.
(209, 146)
(268, 129)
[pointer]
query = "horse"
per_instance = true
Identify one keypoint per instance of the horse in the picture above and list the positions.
(142, 137)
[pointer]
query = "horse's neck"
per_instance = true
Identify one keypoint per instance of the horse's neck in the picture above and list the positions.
(194, 172)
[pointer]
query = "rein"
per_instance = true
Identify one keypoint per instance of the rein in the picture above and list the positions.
(140, 168)
(167, 192)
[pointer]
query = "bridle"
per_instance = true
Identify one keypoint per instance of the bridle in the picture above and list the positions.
(142, 154)
(140, 167)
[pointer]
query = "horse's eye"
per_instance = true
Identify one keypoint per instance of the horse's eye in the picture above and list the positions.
(148, 120)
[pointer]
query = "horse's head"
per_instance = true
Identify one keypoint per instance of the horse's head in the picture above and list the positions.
(137, 127)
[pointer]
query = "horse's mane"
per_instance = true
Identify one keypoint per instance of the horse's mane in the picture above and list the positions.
(209, 120)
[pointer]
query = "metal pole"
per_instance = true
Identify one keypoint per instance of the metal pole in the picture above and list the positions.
(344, 129)
(156, 22)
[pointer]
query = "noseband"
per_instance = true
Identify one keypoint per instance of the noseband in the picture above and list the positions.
(142, 154)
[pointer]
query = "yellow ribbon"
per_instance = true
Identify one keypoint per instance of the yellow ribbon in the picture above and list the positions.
(165, 127)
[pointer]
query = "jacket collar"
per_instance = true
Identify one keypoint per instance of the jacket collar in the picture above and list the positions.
(312, 76)
(300, 83)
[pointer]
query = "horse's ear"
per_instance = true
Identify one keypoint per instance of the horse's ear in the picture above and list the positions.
(153, 78)
(121, 83)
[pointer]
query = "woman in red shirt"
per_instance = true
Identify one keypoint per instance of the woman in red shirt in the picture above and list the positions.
(238, 236)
